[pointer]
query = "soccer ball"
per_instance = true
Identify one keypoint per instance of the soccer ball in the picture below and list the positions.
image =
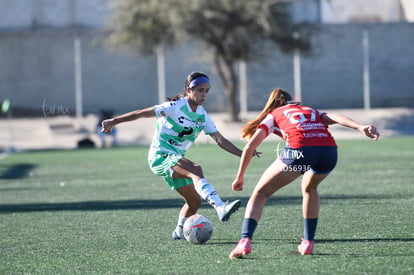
(197, 229)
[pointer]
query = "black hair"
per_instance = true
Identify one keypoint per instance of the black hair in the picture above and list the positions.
(187, 82)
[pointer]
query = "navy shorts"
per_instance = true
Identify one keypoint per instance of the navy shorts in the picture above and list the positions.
(319, 159)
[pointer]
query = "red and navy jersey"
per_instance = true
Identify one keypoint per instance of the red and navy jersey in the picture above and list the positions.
(299, 125)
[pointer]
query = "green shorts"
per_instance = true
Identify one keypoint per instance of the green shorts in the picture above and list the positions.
(161, 165)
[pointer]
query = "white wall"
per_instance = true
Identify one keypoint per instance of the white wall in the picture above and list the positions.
(346, 11)
(38, 65)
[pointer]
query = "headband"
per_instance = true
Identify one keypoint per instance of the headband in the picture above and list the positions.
(199, 80)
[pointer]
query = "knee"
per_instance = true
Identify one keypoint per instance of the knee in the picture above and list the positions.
(309, 189)
(196, 173)
(198, 170)
(260, 195)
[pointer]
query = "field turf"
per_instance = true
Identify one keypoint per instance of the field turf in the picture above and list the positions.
(102, 211)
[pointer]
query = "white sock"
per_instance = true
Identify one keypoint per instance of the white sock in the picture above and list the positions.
(207, 192)
(181, 221)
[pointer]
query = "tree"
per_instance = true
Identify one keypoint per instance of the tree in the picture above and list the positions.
(234, 30)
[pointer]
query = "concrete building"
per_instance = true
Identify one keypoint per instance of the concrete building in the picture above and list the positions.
(37, 52)
(351, 11)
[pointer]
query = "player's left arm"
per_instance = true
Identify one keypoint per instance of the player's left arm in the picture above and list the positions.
(228, 146)
(368, 130)
(225, 144)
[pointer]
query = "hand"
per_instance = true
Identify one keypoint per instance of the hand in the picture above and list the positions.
(107, 126)
(237, 185)
(257, 154)
(370, 131)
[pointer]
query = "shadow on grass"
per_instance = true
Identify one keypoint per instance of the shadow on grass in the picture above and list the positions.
(92, 205)
(104, 205)
(365, 240)
(369, 241)
(16, 171)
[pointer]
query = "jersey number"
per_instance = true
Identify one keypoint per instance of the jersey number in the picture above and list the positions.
(297, 117)
(187, 131)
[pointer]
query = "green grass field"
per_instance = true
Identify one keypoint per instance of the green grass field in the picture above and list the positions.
(102, 211)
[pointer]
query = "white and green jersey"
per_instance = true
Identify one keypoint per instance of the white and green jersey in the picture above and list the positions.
(178, 127)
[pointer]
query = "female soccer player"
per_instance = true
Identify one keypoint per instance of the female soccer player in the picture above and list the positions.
(310, 151)
(179, 122)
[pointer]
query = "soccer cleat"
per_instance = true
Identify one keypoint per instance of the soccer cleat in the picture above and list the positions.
(306, 247)
(243, 248)
(224, 212)
(178, 233)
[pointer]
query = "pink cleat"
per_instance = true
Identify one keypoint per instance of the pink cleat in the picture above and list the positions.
(306, 247)
(243, 248)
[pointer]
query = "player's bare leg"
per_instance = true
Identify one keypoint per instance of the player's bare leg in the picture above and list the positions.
(191, 206)
(310, 210)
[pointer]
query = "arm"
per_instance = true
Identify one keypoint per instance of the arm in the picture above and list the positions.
(368, 130)
(225, 144)
(108, 124)
(246, 157)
